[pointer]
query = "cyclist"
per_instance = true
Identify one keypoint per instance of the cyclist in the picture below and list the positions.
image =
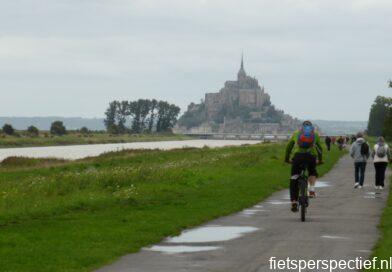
(307, 152)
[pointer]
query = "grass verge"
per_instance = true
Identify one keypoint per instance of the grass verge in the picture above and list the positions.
(383, 249)
(81, 215)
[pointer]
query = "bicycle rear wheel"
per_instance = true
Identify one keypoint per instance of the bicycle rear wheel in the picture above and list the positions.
(303, 198)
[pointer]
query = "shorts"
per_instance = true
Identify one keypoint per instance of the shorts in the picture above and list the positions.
(304, 159)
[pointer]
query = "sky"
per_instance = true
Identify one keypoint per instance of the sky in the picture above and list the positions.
(318, 59)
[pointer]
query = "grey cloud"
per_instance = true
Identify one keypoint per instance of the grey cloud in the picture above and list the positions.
(178, 50)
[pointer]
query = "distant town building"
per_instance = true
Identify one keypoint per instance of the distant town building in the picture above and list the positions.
(243, 92)
(241, 106)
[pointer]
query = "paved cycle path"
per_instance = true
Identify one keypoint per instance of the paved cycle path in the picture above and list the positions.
(342, 224)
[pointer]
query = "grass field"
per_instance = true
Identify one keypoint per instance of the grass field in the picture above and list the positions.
(73, 138)
(77, 216)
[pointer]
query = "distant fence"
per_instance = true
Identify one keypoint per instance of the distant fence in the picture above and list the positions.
(241, 136)
(246, 136)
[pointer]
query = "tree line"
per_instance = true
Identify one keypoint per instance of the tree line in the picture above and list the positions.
(380, 117)
(57, 128)
(140, 116)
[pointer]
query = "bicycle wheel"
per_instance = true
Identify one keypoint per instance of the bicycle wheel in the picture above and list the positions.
(303, 198)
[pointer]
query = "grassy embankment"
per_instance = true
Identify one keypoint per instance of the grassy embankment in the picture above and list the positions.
(383, 249)
(74, 138)
(76, 216)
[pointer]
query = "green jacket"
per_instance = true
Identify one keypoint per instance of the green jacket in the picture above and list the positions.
(315, 150)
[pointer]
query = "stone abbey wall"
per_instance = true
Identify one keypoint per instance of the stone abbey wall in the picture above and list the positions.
(244, 92)
(241, 106)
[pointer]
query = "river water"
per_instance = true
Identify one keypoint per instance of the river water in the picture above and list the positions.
(73, 152)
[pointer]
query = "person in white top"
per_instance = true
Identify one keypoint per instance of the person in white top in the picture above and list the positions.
(381, 156)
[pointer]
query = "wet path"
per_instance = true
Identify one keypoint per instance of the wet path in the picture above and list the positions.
(342, 224)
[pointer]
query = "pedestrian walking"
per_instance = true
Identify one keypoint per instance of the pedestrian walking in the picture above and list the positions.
(328, 141)
(381, 156)
(340, 142)
(333, 138)
(360, 152)
(353, 139)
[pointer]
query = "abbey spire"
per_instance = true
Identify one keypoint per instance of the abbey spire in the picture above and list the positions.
(241, 72)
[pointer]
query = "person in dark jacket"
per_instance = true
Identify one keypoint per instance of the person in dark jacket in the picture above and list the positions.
(328, 142)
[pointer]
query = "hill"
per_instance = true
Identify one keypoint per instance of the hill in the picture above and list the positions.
(340, 127)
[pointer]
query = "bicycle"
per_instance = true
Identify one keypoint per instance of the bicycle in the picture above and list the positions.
(303, 199)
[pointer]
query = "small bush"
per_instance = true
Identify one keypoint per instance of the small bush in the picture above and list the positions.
(84, 130)
(8, 129)
(58, 128)
(33, 131)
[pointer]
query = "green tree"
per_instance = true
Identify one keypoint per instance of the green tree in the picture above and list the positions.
(58, 128)
(145, 107)
(387, 130)
(135, 113)
(196, 115)
(152, 115)
(8, 129)
(142, 115)
(121, 116)
(33, 131)
(378, 112)
(84, 130)
(167, 116)
(110, 120)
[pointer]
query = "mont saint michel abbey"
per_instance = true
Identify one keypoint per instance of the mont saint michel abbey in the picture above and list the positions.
(245, 91)
(241, 106)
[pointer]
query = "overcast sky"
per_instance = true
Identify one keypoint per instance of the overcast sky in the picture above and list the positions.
(317, 59)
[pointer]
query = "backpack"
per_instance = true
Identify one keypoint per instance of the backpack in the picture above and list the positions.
(306, 137)
(381, 151)
(365, 149)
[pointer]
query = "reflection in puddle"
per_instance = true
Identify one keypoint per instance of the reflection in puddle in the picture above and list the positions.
(276, 202)
(322, 184)
(364, 251)
(374, 193)
(181, 249)
(333, 237)
(211, 234)
(250, 211)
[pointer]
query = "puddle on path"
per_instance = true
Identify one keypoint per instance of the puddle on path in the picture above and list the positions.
(363, 251)
(334, 237)
(181, 249)
(277, 202)
(211, 234)
(322, 184)
(250, 212)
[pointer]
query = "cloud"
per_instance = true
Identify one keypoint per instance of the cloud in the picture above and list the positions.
(300, 49)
